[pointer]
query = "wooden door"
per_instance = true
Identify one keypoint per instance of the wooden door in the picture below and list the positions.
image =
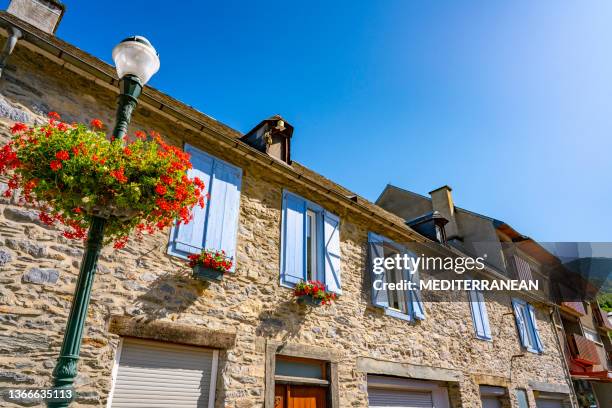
(300, 396)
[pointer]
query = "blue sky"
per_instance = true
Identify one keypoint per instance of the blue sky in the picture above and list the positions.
(509, 103)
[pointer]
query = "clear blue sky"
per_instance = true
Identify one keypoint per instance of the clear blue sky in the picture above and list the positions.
(510, 103)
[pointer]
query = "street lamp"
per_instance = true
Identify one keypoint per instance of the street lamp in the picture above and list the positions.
(136, 61)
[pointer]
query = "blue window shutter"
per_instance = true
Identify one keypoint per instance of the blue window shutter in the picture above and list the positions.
(331, 240)
(292, 255)
(416, 304)
(223, 208)
(376, 250)
(521, 324)
(534, 325)
(189, 238)
(479, 314)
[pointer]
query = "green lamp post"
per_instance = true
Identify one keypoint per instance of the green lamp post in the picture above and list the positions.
(136, 61)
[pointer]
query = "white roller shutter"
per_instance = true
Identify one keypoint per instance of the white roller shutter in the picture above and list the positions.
(387, 398)
(162, 375)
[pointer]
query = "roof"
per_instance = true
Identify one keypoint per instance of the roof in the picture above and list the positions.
(523, 242)
(104, 75)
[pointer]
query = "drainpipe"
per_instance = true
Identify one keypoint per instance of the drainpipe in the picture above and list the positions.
(554, 312)
(9, 46)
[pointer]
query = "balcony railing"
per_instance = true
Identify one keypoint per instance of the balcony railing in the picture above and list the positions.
(584, 351)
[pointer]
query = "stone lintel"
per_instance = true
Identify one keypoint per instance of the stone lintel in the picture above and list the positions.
(373, 366)
(171, 332)
(307, 351)
(494, 380)
(548, 387)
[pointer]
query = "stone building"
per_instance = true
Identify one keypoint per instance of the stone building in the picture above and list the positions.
(157, 337)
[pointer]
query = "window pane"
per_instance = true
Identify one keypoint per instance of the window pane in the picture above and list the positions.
(311, 238)
(521, 397)
(304, 369)
(530, 338)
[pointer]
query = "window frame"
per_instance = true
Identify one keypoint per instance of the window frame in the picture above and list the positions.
(532, 345)
(319, 212)
(172, 235)
(409, 314)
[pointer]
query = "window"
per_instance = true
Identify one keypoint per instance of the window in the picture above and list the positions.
(402, 303)
(526, 323)
(151, 373)
(214, 226)
(479, 314)
(310, 243)
(591, 335)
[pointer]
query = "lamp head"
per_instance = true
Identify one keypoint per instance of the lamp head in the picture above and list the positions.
(136, 56)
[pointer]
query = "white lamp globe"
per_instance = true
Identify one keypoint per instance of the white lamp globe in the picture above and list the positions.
(136, 56)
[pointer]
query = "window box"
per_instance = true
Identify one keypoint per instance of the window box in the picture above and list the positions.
(204, 273)
(309, 300)
(210, 265)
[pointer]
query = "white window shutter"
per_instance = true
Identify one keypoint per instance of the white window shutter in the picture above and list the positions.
(376, 250)
(292, 254)
(223, 209)
(521, 324)
(189, 238)
(416, 304)
(331, 240)
(536, 333)
(479, 314)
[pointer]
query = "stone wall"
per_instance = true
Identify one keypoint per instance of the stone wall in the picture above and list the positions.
(38, 270)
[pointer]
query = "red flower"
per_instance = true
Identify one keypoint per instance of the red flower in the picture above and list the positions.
(127, 151)
(55, 165)
(53, 116)
(198, 182)
(140, 135)
(62, 155)
(62, 126)
(119, 176)
(160, 189)
(97, 124)
(18, 127)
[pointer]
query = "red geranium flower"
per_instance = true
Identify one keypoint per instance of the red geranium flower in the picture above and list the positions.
(53, 115)
(18, 127)
(55, 165)
(160, 189)
(97, 124)
(62, 155)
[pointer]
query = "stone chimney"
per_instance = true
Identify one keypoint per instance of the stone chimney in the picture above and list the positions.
(442, 202)
(42, 14)
(273, 137)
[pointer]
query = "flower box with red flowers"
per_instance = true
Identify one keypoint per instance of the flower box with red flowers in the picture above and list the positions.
(210, 265)
(74, 172)
(313, 293)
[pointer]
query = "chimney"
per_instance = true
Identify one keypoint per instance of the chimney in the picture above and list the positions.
(42, 14)
(442, 202)
(273, 137)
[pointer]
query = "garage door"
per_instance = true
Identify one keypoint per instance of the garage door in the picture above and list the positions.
(163, 375)
(548, 403)
(385, 398)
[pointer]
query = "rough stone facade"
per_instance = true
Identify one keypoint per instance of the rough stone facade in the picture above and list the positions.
(38, 271)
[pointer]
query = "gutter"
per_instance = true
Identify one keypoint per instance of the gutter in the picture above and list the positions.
(104, 75)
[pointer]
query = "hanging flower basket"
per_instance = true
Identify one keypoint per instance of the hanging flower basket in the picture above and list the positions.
(210, 265)
(73, 173)
(313, 293)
